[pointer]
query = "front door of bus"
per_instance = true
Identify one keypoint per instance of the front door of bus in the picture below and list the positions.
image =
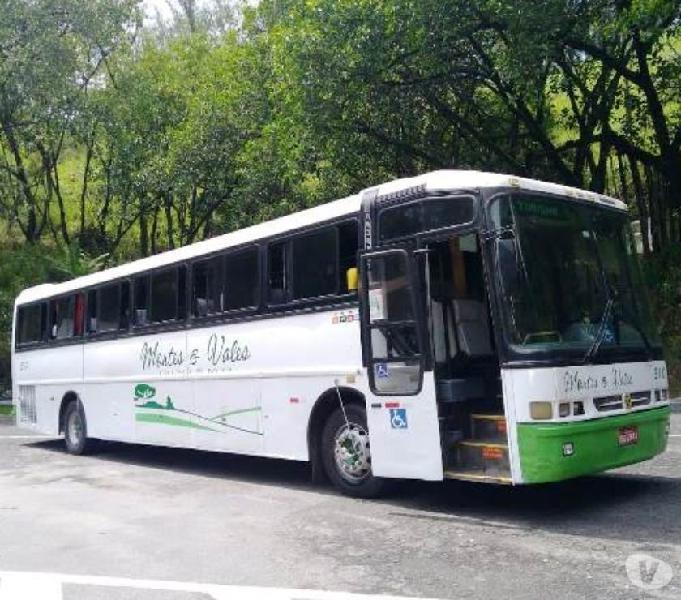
(401, 410)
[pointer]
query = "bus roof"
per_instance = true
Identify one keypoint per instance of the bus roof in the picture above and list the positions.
(434, 181)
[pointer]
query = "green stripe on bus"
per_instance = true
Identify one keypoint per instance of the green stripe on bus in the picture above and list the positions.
(595, 443)
(167, 420)
(239, 411)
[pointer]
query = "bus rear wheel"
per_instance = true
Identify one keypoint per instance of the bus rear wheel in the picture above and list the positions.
(75, 430)
(346, 453)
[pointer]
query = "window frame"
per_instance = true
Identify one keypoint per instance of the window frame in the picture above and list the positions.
(223, 256)
(422, 202)
(178, 318)
(336, 235)
(74, 337)
(288, 238)
(259, 295)
(261, 310)
(98, 292)
(45, 326)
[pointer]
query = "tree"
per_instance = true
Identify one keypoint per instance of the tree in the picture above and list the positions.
(52, 53)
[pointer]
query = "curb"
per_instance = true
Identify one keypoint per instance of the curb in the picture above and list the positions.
(676, 405)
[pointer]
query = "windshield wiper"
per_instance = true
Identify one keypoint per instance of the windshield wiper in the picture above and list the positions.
(600, 334)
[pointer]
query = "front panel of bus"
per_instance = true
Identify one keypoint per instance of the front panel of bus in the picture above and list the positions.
(513, 327)
(584, 383)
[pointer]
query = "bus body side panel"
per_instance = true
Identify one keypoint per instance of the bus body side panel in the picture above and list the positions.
(317, 352)
(405, 434)
(42, 378)
(226, 387)
(136, 389)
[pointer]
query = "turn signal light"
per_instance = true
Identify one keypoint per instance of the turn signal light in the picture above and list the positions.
(541, 411)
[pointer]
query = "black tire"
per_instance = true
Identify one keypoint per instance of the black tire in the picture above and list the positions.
(75, 430)
(355, 477)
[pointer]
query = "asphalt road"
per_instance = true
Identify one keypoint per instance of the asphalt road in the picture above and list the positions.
(138, 512)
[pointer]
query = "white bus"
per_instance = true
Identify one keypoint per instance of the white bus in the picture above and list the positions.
(457, 325)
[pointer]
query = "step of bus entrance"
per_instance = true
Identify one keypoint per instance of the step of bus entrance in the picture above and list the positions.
(490, 427)
(487, 457)
(478, 475)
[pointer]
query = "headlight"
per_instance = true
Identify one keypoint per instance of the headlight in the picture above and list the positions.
(541, 411)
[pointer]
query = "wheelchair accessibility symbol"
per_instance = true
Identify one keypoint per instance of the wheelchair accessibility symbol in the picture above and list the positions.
(381, 370)
(398, 418)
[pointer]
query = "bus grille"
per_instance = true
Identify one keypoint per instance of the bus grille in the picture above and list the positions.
(27, 413)
(607, 403)
(640, 399)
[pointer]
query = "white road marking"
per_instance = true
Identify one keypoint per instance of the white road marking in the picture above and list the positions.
(16, 585)
(25, 437)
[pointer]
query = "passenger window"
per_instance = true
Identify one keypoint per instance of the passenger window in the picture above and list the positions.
(276, 273)
(92, 311)
(207, 295)
(31, 324)
(315, 264)
(79, 324)
(164, 296)
(109, 308)
(242, 280)
(63, 317)
(141, 301)
(125, 305)
(348, 245)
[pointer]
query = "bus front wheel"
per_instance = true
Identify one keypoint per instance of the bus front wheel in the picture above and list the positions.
(346, 453)
(75, 430)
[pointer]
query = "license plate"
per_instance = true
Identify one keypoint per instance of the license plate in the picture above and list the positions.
(628, 436)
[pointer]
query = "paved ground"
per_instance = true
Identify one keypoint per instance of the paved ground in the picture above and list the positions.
(150, 513)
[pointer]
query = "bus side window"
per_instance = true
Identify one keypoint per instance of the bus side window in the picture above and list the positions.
(348, 245)
(31, 324)
(164, 295)
(108, 309)
(79, 315)
(242, 279)
(181, 314)
(124, 322)
(63, 317)
(141, 301)
(207, 295)
(277, 280)
(92, 312)
(315, 264)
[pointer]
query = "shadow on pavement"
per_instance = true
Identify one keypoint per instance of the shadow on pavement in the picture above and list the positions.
(638, 508)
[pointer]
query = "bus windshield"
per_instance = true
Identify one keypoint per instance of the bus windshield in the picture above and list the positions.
(569, 277)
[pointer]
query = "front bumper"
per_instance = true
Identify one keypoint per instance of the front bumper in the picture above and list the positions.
(595, 443)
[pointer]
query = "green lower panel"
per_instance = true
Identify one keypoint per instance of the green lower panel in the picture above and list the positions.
(596, 445)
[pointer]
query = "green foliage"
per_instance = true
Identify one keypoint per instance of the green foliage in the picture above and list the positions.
(119, 140)
(663, 277)
(28, 265)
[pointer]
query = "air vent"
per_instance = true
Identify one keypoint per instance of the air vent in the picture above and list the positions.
(27, 413)
(606, 403)
(640, 399)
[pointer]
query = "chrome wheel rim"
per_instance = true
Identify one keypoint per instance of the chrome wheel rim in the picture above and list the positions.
(74, 429)
(352, 453)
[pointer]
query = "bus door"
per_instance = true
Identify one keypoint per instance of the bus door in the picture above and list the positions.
(402, 415)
